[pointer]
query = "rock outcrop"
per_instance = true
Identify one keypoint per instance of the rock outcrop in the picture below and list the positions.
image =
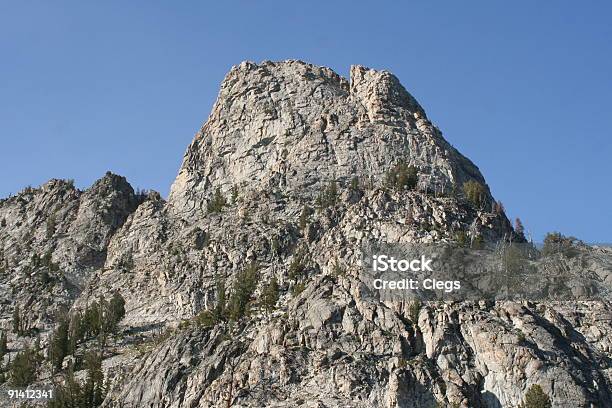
(289, 176)
(293, 127)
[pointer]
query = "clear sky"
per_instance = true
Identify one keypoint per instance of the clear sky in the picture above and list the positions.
(523, 88)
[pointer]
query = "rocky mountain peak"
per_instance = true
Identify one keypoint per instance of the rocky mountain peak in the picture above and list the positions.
(294, 127)
(381, 93)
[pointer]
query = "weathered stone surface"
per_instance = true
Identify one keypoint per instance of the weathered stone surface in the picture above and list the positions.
(294, 127)
(278, 134)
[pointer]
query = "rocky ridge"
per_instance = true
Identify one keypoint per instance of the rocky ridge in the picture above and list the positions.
(279, 134)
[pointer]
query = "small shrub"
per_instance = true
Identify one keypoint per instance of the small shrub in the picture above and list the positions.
(414, 311)
(478, 242)
(51, 226)
(475, 193)
(23, 368)
(298, 288)
(297, 267)
(338, 271)
(242, 290)
(270, 295)
(205, 319)
(462, 239)
(217, 202)
(401, 177)
(329, 196)
(555, 242)
(536, 398)
(304, 217)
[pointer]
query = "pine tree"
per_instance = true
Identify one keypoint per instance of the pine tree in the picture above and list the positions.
(94, 388)
(518, 228)
(3, 345)
(401, 177)
(354, 186)
(23, 368)
(17, 324)
(217, 202)
(75, 331)
(51, 226)
(92, 320)
(414, 311)
(304, 217)
(475, 193)
(297, 267)
(536, 398)
(59, 344)
(69, 394)
(329, 196)
(498, 208)
(117, 310)
(219, 311)
(234, 194)
(242, 290)
(270, 295)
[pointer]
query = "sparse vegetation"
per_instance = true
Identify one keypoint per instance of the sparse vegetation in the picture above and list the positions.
(90, 393)
(242, 291)
(329, 196)
(59, 344)
(519, 228)
(536, 398)
(306, 211)
(401, 177)
(217, 202)
(462, 239)
(23, 368)
(3, 347)
(51, 226)
(475, 193)
(414, 310)
(270, 295)
(555, 242)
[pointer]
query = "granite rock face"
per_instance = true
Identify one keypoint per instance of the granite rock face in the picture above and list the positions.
(55, 237)
(294, 127)
(279, 135)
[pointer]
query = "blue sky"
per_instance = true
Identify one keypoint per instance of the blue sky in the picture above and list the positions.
(523, 88)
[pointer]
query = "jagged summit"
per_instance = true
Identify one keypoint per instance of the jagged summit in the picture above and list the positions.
(293, 126)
